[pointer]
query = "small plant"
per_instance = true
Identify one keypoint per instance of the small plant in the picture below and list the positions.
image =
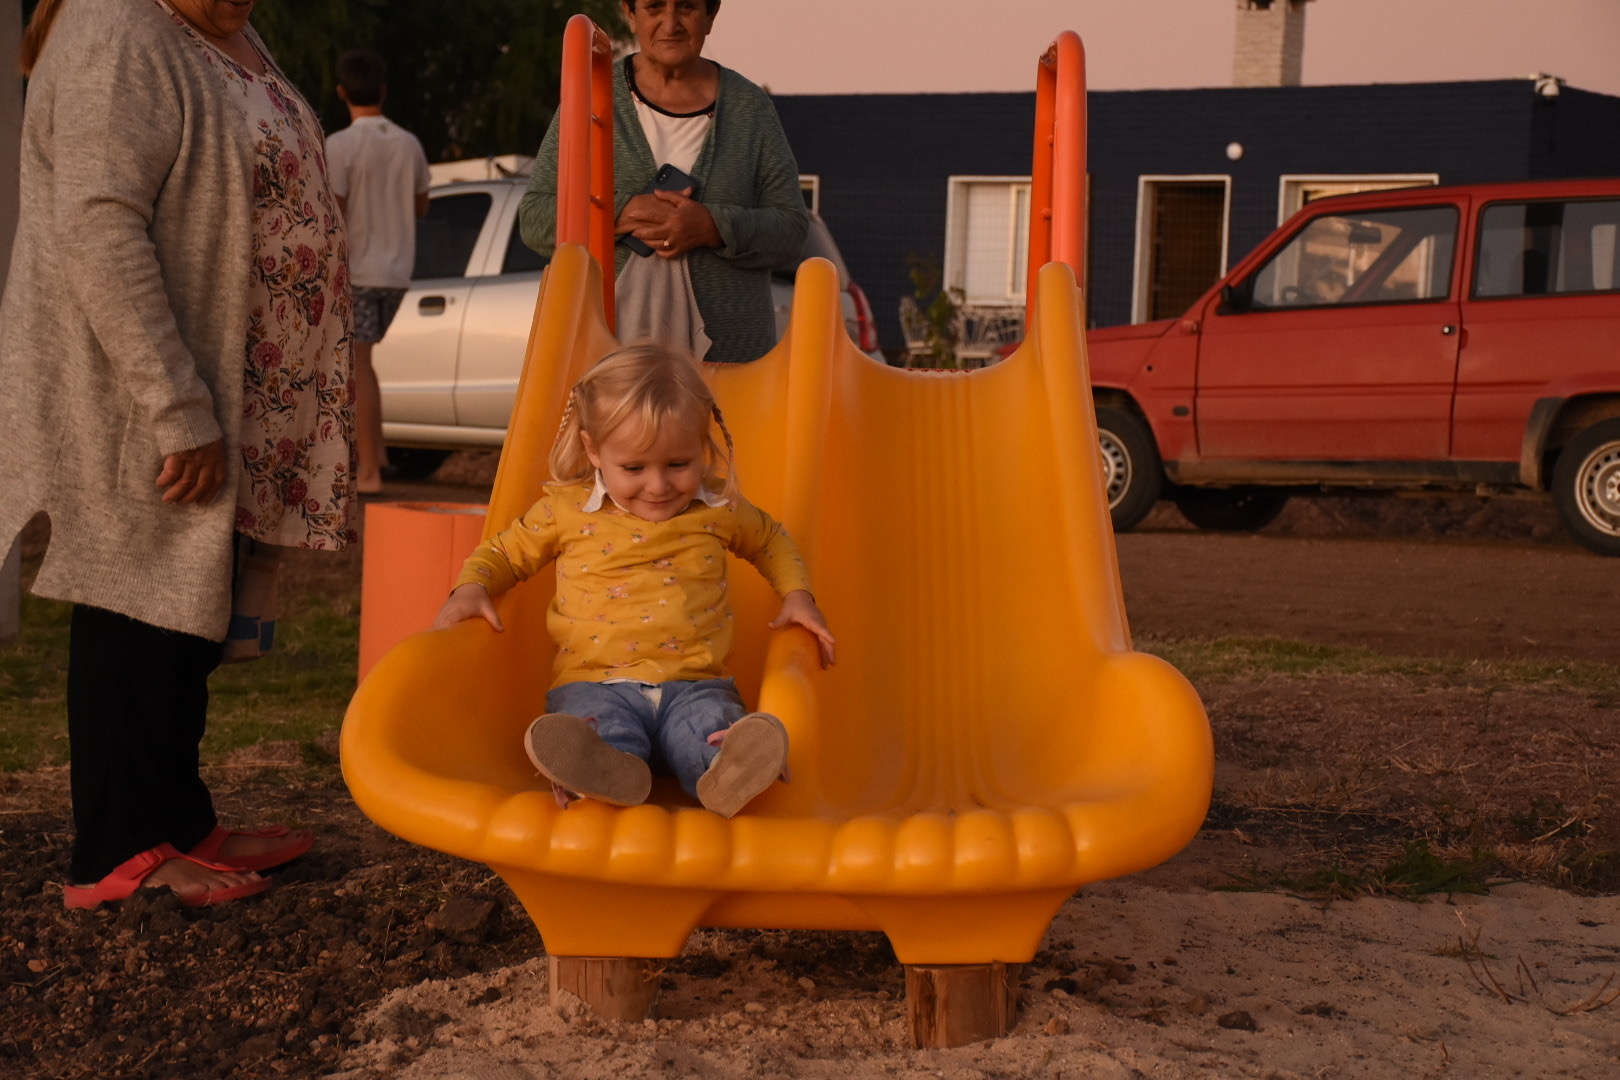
(937, 306)
(1417, 871)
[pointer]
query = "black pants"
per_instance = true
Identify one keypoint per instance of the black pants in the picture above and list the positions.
(137, 707)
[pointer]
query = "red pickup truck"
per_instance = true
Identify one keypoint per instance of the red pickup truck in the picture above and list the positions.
(1438, 339)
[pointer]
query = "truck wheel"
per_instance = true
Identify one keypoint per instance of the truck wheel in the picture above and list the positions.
(1131, 469)
(1586, 487)
(414, 462)
(1230, 509)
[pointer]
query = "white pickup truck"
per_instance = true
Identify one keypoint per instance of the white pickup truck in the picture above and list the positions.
(450, 361)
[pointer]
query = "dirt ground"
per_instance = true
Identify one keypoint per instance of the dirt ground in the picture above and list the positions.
(1288, 940)
(1486, 580)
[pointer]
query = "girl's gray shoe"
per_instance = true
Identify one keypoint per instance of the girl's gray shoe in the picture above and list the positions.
(569, 753)
(752, 755)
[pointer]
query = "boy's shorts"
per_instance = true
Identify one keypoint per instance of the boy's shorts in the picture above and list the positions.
(374, 309)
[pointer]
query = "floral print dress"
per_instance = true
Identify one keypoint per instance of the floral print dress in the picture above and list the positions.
(297, 423)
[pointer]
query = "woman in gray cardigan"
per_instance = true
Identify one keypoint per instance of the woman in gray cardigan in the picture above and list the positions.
(707, 279)
(174, 353)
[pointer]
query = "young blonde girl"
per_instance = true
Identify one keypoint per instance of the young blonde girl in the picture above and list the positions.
(639, 514)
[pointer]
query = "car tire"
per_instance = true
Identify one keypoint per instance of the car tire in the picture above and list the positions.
(1586, 487)
(1230, 509)
(1132, 472)
(414, 462)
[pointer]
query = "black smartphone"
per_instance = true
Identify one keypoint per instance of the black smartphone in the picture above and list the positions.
(667, 178)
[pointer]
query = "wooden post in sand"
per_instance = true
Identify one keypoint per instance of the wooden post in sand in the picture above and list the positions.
(615, 987)
(957, 1004)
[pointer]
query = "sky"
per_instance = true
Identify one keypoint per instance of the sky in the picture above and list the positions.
(932, 46)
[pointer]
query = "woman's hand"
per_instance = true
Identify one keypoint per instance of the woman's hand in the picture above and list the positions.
(195, 475)
(672, 223)
(642, 211)
(469, 601)
(799, 609)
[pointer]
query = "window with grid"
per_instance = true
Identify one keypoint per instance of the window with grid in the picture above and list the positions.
(987, 239)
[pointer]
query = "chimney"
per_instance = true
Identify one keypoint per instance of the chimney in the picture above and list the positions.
(1270, 43)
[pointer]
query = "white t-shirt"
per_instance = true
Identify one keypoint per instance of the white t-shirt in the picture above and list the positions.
(673, 140)
(654, 296)
(378, 169)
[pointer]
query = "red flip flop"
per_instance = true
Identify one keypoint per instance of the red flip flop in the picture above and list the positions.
(297, 843)
(128, 875)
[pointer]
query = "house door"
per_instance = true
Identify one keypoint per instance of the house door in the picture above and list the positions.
(1183, 244)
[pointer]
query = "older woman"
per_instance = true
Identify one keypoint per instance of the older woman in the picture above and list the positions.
(175, 355)
(708, 278)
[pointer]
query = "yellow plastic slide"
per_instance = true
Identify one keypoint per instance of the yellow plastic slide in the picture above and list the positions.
(987, 743)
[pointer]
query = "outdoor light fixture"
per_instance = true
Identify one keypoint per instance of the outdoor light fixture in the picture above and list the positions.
(1234, 151)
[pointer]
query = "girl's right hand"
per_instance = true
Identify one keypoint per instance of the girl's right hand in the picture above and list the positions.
(467, 601)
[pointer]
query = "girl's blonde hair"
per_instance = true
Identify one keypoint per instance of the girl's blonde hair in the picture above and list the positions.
(651, 383)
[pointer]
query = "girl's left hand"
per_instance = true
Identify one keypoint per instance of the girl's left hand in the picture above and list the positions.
(799, 609)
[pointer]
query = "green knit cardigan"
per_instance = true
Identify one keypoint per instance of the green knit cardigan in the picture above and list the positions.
(747, 179)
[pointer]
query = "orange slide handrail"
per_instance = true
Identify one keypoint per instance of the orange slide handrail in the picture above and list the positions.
(1057, 191)
(585, 202)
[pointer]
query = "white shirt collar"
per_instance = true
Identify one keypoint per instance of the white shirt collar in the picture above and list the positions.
(599, 494)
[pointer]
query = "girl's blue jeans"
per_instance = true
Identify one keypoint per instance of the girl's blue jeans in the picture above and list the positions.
(671, 736)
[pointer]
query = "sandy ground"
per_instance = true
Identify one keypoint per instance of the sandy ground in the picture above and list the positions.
(1137, 979)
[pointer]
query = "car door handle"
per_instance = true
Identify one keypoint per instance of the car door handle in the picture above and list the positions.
(1448, 329)
(431, 305)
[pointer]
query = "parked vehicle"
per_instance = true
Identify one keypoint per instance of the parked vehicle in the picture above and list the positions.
(1441, 339)
(450, 361)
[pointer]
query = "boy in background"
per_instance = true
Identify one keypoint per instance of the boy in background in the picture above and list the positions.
(380, 177)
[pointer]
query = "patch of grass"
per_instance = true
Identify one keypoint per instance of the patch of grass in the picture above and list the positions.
(33, 688)
(1415, 872)
(1418, 871)
(298, 692)
(1231, 658)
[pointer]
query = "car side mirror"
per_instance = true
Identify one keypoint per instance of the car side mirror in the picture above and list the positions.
(1234, 300)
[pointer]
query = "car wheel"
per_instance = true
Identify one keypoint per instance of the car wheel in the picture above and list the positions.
(414, 462)
(1131, 469)
(1586, 487)
(1230, 509)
